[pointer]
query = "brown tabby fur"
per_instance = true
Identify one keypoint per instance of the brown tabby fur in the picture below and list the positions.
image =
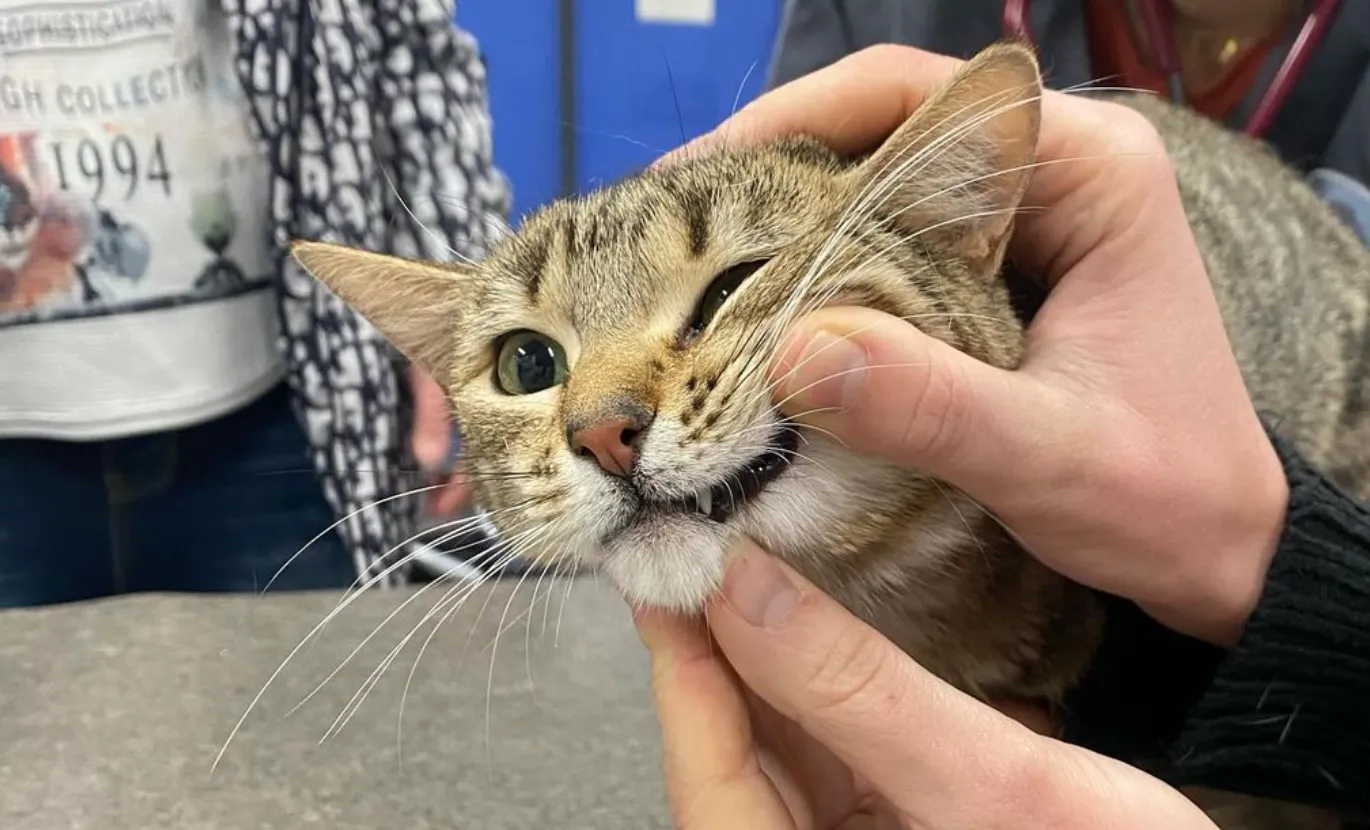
(917, 230)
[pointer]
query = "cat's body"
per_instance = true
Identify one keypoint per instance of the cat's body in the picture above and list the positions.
(1293, 283)
(612, 396)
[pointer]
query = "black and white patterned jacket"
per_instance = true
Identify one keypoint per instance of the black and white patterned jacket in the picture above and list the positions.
(375, 119)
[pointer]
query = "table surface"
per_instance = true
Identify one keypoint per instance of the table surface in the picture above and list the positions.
(112, 713)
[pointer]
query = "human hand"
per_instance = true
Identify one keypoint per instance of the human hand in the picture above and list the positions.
(838, 728)
(432, 444)
(1125, 451)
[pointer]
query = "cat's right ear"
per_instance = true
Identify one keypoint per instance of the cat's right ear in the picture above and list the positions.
(953, 174)
(413, 304)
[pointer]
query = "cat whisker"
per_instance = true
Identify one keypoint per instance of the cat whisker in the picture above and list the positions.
(434, 235)
(237, 727)
(406, 494)
(737, 99)
(455, 605)
(494, 650)
(552, 567)
(789, 373)
(456, 595)
(458, 204)
(804, 429)
(974, 538)
(570, 583)
(1097, 85)
(958, 315)
(766, 426)
(834, 289)
(404, 694)
(734, 185)
(455, 526)
(884, 182)
(476, 560)
(834, 375)
(992, 516)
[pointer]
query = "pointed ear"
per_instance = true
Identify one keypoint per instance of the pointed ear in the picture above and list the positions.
(955, 171)
(413, 304)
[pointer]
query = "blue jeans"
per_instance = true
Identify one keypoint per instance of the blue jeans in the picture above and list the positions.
(219, 506)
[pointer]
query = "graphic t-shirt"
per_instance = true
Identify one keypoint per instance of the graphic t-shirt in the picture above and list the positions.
(135, 287)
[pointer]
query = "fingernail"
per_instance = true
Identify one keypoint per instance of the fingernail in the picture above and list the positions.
(760, 591)
(830, 371)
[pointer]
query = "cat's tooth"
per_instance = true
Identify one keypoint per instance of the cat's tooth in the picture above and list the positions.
(702, 499)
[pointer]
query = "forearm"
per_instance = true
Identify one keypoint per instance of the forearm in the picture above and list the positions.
(1286, 712)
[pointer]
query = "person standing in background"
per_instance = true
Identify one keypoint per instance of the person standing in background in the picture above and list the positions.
(1229, 55)
(181, 407)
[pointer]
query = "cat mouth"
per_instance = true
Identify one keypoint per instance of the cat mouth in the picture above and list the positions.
(721, 501)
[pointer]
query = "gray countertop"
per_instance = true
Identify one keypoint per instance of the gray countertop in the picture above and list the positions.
(112, 712)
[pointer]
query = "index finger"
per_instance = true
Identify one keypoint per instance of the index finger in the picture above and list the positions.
(714, 777)
(851, 106)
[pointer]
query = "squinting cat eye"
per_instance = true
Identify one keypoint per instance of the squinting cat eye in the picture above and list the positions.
(529, 362)
(720, 290)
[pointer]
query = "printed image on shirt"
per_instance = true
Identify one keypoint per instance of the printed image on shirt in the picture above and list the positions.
(129, 180)
(38, 248)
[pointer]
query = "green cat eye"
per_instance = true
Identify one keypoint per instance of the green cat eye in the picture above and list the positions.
(529, 362)
(723, 286)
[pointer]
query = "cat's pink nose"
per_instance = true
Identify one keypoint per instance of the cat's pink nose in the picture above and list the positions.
(612, 441)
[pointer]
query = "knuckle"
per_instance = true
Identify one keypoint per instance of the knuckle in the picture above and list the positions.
(936, 421)
(855, 673)
(1127, 127)
(1029, 781)
(696, 802)
(1130, 133)
(884, 54)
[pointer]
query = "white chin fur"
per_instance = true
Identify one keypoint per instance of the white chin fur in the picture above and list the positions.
(673, 563)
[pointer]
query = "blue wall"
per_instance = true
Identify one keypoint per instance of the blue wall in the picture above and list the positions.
(630, 78)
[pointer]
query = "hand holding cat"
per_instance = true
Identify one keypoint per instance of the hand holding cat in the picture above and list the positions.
(799, 715)
(1125, 451)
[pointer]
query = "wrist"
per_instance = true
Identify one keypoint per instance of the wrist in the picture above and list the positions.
(1224, 592)
(1251, 551)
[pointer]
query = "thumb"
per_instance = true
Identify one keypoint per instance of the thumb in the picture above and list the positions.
(883, 387)
(939, 757)
(854, 691)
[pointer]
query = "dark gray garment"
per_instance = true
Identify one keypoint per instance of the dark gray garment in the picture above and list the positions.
(1325, 121)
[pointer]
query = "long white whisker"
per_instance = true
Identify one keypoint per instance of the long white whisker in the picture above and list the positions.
(516, 547)
(389, 617)
(490, 677)
(360, 696)
(339, 522)
(256, 699)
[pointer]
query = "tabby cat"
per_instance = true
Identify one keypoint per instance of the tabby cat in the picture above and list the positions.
(608, 363)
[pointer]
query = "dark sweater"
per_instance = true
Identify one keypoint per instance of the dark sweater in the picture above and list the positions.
(1286, 713)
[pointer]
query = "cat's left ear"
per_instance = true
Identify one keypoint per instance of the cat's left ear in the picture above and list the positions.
(415, 305)
(955, 171)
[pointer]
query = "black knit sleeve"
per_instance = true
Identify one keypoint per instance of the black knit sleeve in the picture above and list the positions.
(1288, 710)
(1286, 713)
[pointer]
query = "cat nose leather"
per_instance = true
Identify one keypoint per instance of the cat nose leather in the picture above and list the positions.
(611, 441)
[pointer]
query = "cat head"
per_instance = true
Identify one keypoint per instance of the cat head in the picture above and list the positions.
(608, 364)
